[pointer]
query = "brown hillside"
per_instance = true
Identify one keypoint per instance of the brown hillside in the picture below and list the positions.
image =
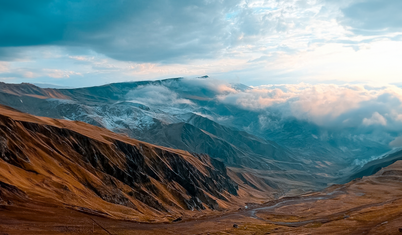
(75, 165)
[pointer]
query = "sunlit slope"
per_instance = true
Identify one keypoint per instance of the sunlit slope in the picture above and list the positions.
(182, 127)
(91, 169)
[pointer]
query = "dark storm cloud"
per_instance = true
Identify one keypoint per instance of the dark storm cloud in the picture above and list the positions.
(373, 17)
(142, 31)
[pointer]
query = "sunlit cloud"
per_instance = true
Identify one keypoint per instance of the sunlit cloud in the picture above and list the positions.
(376, 119)
(326, 104)
(56, 73)
(4, 67)
(254, 42)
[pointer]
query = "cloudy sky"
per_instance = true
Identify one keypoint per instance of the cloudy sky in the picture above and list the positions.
(82, 43)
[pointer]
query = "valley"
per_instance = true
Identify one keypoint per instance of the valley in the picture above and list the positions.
(371, 205)
(207, 117)
(187, 173)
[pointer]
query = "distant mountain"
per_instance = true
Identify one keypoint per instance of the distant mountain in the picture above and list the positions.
(48, 85)
(374, 166)
(186, 114)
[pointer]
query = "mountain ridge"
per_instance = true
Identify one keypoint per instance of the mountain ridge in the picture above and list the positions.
(83, 166)
(171, 112)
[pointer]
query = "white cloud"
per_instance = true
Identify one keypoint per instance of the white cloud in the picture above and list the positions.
(375, 119)
(326, 104)
(156, 95)
(56, 73)
(255, 41)
(4, 67)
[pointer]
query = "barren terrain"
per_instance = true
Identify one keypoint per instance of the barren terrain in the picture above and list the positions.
(65, 177)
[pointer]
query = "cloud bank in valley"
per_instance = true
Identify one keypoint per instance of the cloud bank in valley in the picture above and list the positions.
(345, 106)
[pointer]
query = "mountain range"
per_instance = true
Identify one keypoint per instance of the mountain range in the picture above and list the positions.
(61, 176)
(87, 168)
(188, 115)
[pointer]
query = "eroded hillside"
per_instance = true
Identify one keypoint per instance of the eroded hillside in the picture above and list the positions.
(90, 169)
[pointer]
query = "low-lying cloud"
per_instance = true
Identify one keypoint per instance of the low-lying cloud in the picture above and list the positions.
(364, 107)
(358, 108)
(156, 95)
(326, 105)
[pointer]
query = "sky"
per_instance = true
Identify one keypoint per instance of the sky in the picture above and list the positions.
(257, 42)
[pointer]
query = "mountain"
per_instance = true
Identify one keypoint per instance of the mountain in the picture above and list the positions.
(61, 176)
(376, 165)
(74, 165)
(189, 115)
(177, 127)
(68, 176)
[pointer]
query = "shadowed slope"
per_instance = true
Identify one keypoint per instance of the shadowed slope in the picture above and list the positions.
(106, 106)
(371, 205)
(93, 170)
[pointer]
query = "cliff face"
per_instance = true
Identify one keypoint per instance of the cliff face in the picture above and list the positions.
(94, 170)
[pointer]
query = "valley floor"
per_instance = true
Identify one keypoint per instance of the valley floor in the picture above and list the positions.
(372, 205)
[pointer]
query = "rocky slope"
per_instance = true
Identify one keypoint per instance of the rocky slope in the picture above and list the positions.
(172, 125)
(191, 119)
(90, 169)
(179, 113)
(371, 205)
